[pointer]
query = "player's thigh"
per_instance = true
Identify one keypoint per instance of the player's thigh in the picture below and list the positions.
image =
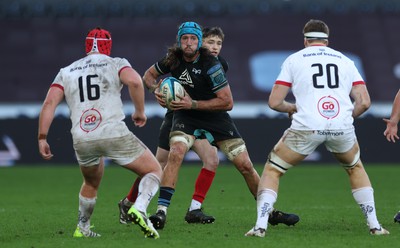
(145, 163)
(284, 152)
(123, 150)
(88, 153)
(207, 153)
(295, 145)
(344, 146)
(349, 156)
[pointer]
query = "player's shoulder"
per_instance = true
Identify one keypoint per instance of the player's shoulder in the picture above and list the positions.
(294, 57)
(223, 62)
(206, 56)
(118, 58)
(115, 59)
(74, 65)
(338, 54)
(119, 62)
(208, 60)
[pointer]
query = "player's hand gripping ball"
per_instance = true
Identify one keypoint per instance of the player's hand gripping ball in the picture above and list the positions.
(170, 88)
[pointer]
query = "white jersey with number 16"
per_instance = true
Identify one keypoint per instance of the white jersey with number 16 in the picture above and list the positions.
(92, 90)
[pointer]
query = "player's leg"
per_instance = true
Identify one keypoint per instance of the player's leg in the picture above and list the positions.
(92, 169)
(87, 199)
(149, 170)
(129, 152)
(361, 187)
(162, 157)
(179, 147)
(279, 161)
(125, 204)
(236, 151)
(180, 143)
(209, 156)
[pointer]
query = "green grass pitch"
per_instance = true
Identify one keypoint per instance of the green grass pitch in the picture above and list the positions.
(38, 208)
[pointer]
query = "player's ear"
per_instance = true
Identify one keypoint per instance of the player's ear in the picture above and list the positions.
(305, 42)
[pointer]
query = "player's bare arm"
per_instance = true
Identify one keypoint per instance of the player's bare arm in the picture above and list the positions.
(54, 96)
(133, 81)
(150, 82)
(391, 124)
(277, 100)
(150, 79)
(362, 101)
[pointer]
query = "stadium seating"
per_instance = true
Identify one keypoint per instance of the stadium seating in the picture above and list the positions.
(147, 8)
(43, 35)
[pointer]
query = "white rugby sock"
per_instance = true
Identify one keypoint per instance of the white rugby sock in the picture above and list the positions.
(365, 199)
(86, 207)
(148, 187)
(162, 208)
(195, 205)
(265, 204)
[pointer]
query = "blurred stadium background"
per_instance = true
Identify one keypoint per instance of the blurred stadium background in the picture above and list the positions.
(41, 36)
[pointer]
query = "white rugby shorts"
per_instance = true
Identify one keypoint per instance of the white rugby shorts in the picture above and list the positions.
(306, 141)
(122, 150)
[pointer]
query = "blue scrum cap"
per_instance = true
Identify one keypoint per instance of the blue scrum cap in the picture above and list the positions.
(190, 28)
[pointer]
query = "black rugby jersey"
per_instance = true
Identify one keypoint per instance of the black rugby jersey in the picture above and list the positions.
(224, 63)
(200, 78)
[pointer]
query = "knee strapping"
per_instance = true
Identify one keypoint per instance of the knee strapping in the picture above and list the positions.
(278, 163)
(178, 136)
(353, 163)
(233, 147)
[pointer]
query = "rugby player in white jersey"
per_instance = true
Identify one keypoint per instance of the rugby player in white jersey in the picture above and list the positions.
(92, 87)
(323, 82)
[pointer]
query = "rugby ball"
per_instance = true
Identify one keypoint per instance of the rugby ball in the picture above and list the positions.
(170, 88)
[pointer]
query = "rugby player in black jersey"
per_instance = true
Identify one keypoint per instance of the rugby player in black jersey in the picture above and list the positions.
(202, 114)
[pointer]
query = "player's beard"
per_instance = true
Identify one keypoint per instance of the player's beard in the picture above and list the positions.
(189, 53)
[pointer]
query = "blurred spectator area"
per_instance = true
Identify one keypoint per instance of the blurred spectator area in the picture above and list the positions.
(148, 8)
(41, 36)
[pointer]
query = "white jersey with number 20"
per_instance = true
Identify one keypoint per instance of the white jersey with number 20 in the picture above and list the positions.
(92, 90)
(321, 79)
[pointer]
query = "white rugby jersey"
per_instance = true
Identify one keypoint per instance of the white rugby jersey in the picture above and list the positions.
(92, 90)
(321, 79)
